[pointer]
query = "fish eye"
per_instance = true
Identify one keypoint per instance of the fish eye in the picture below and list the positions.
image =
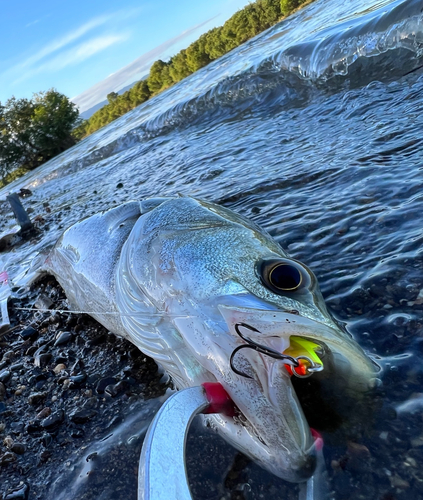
(283, 275)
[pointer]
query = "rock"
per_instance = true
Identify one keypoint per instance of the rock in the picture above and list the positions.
(398, 482)
(43, 302)
(46, 440)
(15, 367)
(18, 448)
(7, 458)
(53, 421)
(58, 368)
(28, 333)
(36, 398)
(17, 427)
(82, 416)
(2, 391)
(44, 413)
(358, 450)
(8, 442)
(116, 389)
(5, 376)
(43, 359)
(8, 355)
(78, 379)
(19, 493)
(63, 338)
(34, 428)
(103, 383)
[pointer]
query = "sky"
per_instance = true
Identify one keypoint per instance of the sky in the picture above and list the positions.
(86, 49)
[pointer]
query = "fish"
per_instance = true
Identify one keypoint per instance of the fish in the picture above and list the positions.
(212, 297)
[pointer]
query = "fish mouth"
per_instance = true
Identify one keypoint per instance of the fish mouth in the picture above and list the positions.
(270, 425)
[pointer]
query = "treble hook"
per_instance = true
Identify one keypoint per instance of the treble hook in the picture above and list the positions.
(262, 349)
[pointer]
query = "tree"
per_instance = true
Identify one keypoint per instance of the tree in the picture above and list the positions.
(112, 97)
(34, 130)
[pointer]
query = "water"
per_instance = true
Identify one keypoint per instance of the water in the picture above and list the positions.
(314, 130)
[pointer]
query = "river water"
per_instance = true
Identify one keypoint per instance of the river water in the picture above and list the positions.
(314, 129)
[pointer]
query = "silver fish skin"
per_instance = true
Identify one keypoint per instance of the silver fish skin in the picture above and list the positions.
(175, 276)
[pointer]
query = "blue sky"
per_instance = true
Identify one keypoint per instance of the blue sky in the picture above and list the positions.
(75, 46)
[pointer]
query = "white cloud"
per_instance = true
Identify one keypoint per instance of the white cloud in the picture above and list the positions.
(32, 23)
(129, 73)
(76, 54)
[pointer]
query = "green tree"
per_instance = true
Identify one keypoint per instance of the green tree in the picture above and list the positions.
(287, 6)
(34, 130)
(112, 97)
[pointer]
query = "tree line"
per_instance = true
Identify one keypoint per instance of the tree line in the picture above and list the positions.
(32, 131)
(243, 25)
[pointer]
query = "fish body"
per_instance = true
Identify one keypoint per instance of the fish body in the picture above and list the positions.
(193, 284)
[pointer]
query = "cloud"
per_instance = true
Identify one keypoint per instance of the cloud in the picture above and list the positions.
(32, 23)
(118, 79)
(61, 42)
(75, 55)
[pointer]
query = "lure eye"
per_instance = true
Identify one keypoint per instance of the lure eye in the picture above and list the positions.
(283, 276)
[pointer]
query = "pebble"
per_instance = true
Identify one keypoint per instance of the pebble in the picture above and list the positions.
(36, 398)
(8, 355)
(53, 421)
(103, 383)
(5, 376)
(58, 368)
(2, 426)
(20, 390)
(19, 493)
(33, 428)
(17, 427)
(398, 482)
(45, 412)
(63, 338)
(8, 442)
(116, 389)
(82, 416)
(18, 448)
(7, 458)
(2, 391)
(28, 333)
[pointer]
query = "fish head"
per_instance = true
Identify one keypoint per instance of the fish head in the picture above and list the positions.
(248, 315)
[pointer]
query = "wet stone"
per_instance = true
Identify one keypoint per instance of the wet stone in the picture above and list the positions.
(2, 391)
(33, 428)
(44, 413)
(28, 333)
(18, 448)
(7, 356)
(82, 416)
(19, 493)
(63, 338)
(36, 398)
(77, 433)
(103, 383)
(5, 376)
(3, 408)
(58, 368)
(43, 359)
(7, 458)
(53, 421)
(78, 379)
(8, 442)
(17, 427)
(15, 367)
(116, 389)
(46, 440)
